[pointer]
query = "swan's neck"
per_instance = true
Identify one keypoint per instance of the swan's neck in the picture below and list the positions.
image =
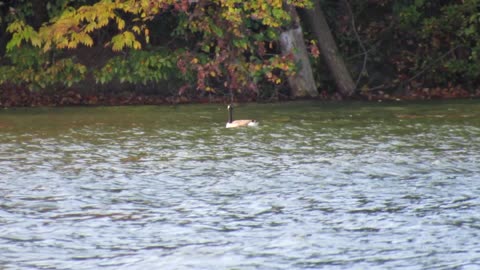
(230, 115)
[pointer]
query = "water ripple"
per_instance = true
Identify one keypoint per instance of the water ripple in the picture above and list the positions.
(363, 187)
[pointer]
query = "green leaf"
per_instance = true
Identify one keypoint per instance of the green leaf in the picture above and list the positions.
(218, 31)
(278, 13)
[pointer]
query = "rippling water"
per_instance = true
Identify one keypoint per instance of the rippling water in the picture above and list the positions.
(316, 186)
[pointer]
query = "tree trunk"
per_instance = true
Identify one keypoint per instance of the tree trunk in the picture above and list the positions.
(302, 84)
(328, 49)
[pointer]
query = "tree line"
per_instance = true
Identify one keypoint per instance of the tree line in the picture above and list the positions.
(232, 49)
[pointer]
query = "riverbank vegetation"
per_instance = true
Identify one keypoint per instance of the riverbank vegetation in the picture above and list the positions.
(64, 52)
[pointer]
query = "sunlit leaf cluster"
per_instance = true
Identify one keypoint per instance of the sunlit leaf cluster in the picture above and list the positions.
(222, 40)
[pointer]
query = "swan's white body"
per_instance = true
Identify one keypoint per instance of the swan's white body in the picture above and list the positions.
(238, 123)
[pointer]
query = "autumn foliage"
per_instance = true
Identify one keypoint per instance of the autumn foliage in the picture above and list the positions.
(222, 46)
(149, 51)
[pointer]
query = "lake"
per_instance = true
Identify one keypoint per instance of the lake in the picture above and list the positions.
(315, 186)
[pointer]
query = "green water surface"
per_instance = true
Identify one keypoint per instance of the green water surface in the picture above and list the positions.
(315, 186)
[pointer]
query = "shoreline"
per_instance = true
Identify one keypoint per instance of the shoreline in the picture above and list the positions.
(22, 98)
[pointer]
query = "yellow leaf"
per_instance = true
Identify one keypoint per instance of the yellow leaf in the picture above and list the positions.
(36, 41)
(277, 3)
(120, 23)
(72, 45)
(87, 40)
(136, 29)
(102, 22)
(90, 27)
(62, 44)
(137, 45)
(47, 46)
(147, 35)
